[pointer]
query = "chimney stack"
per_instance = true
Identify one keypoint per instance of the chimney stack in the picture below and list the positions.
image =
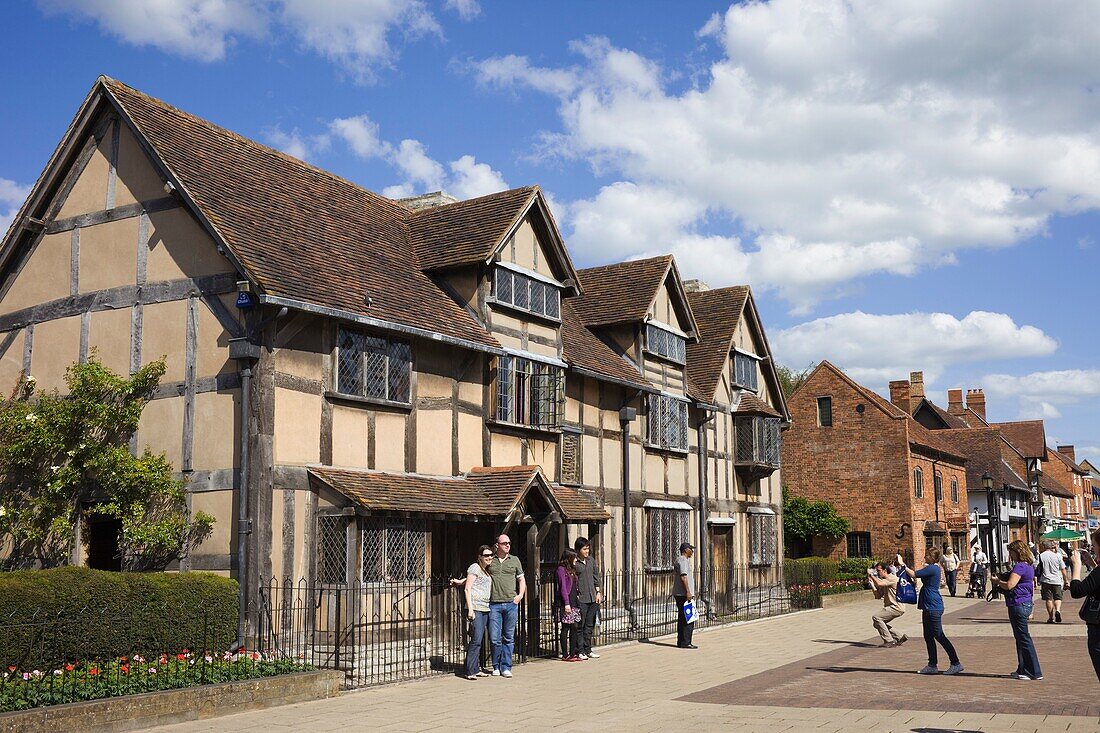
(955, 402)
(427, 201)
(1068, 452)
(695, 286)
(916, 386)
(975, 400)
(899, 395)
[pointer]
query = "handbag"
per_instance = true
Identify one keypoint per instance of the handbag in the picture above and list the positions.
(1090, 610)
(572, 616)
(907, 592)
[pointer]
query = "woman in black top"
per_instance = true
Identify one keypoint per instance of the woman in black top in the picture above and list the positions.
(1089, 589)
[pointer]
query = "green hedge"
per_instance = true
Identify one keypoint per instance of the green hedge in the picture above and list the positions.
(854, 568)
(48, 617)
(824, 570)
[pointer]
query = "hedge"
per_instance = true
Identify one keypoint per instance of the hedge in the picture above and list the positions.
(824, 570)
(48, 617)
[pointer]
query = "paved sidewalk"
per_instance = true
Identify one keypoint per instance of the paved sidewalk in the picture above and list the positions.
(816, 670)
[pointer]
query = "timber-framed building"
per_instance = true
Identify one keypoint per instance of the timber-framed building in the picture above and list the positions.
(362, 388)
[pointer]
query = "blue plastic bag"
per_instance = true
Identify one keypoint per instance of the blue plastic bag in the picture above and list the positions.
(691, 615)
(907, 591)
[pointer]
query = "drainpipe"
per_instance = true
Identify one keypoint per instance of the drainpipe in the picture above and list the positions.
(704, 510)
(244, 522)
(626, 416)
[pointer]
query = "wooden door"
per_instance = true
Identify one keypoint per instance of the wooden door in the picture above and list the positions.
(721, 568)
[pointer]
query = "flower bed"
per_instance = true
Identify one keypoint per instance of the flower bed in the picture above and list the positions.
(22, 689)
(808, 595)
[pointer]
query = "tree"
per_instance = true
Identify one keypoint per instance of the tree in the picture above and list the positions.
(64, 455)
(790, 380)
(803, 520)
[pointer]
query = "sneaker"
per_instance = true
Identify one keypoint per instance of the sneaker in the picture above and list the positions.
(496, 673)
(1057, 617)
(1037, 678)
(888, 644)
(483, 673)
(593, 655)
(1050, 621)
(471, 676)
(582, 657)
(954, 669)
(571, 659)
(903, 639)
(506, 673)
(929, 669)
(1022, 676)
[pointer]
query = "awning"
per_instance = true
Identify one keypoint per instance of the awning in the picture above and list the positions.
(760, 510)
(663, 504)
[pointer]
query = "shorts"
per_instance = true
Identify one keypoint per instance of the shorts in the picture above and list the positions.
(1050, 591)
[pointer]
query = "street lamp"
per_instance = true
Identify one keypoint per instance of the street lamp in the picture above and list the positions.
(993, 509)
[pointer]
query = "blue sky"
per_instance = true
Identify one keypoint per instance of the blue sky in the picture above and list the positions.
(909, 186)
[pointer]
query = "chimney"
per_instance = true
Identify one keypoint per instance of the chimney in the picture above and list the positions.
(916, 386)
(899, 395)
(695, 286)
(1068, 452)
(955, 402)
(427, 201)
(975, 400)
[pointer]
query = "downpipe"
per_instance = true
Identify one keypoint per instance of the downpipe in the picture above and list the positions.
(704, 511)
(626, 416)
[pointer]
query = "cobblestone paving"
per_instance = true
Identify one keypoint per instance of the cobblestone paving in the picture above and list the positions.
(792, 670)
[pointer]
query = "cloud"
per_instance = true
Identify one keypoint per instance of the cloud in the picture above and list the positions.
(877, 348)
(361, 135)
(12, 196)
(295, 144)
(1041, 393)
(470, 179)
(466, 9)
(359, 36)
(201, 30)
(837, 140)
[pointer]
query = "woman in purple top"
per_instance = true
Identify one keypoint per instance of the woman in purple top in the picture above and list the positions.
(567, 606)
(1019, 589)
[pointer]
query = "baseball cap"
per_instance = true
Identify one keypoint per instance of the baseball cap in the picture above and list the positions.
(686, 546)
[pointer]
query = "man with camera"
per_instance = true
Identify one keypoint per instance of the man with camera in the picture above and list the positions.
(885, 586)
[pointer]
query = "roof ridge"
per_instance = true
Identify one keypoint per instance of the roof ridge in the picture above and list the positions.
(108, 82)
(445, 207)
(625, 263)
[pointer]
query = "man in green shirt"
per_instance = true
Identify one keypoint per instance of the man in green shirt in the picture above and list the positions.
(509, 588)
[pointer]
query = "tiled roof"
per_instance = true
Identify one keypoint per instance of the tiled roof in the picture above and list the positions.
(483, 492)
(622, 292)
(717, 312)
(582, 348)
(1069, 463)
(952, 421)
(466, 231)
(752, 405)
(987, 453)
(1026, 436)
(1053, 485)
(301, 232)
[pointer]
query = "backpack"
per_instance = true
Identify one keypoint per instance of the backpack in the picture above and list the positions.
(907, 592)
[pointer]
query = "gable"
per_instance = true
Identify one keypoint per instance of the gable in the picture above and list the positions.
(668, 308)
(525, 248)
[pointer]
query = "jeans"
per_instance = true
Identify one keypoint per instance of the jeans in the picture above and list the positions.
(588, 626)
(932, 622)
(502, 633)
(473, 649)
(1094, 647)
(951, 576)
(1027, 659)
(684, 630)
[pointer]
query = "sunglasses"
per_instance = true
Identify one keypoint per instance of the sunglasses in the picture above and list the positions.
(504, 543)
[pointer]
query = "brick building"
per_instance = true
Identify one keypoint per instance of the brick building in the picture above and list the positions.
(901, 486)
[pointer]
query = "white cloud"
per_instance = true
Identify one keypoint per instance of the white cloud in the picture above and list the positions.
(361, 135)
(294, 143)
(878, 348)
(840, 139)
(359, 36)
(418, 168)
(12, 196)
(194, 29)
(470, 179)
(466, 9)
(1040, 393)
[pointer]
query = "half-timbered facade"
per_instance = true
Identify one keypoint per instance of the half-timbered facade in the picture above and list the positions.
(361, 388)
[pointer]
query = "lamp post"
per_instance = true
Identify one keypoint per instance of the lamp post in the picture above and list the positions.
(993, 514)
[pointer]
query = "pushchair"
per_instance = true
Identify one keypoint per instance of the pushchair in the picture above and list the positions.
(976, 588)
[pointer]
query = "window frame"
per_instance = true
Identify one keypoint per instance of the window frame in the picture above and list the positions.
(393, 356)
(393, 531)
(954, 490)
(331, 529)
(918, 483)
(859, 537)
(767, 440)
(937, 486)
(674, 348)
(741, 357)
(824, 401)
(514, 276)
(674, 437)
(675, 524)
(763, 532)
(521, 386)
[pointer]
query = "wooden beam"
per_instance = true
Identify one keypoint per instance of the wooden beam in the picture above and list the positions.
(410, 420)
(143, 249)
(137, 322)
(291, 328)
(122, 296)
(190, 358)
(328, 370)
(112, 170)
(28, 346)
(225, 317)
(74, 262)
(201, 385)
(8, 340)
(295, 383)
(85, 335)
(118, 213)
(288, 533)
(372, 439)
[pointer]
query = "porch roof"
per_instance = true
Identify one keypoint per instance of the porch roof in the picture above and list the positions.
(483, 492)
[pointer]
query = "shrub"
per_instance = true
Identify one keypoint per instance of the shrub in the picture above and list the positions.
(854, 568)
(48, 617)
(810, 570)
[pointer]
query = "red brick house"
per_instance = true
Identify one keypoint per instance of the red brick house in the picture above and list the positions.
(901, 486)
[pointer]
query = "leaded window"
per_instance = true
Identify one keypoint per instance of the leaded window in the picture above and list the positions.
(529, 392)
(526, 293)
(332, 549)
(744, 371)
(373, 366)
(758, 440)
(665, 530)
(955, 490)
(859, 544)
(667, 422)
(394, 549)
(825, 412)
(665, 344)
(918, 483)
(937, 486)
(762, 539)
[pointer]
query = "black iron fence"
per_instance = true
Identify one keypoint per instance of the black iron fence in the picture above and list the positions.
(390, 631)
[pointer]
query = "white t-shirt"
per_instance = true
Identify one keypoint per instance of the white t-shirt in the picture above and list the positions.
(482, 587)
(1050, 567)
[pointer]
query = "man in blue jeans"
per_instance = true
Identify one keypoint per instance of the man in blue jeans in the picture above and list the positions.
(509, 588)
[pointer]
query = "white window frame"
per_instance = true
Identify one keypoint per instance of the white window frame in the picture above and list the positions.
(665, 343)
(509, 282)
(743, 378)
(666, 422)
(399, 543)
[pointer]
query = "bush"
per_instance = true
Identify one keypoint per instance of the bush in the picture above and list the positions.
(49, 617)
(810, 570)
(854, 568)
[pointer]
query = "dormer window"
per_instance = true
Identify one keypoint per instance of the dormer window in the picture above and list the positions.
(527, 292)
(744, 371)
(665, 344)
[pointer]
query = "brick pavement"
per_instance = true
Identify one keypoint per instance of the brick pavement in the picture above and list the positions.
(648, 687)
